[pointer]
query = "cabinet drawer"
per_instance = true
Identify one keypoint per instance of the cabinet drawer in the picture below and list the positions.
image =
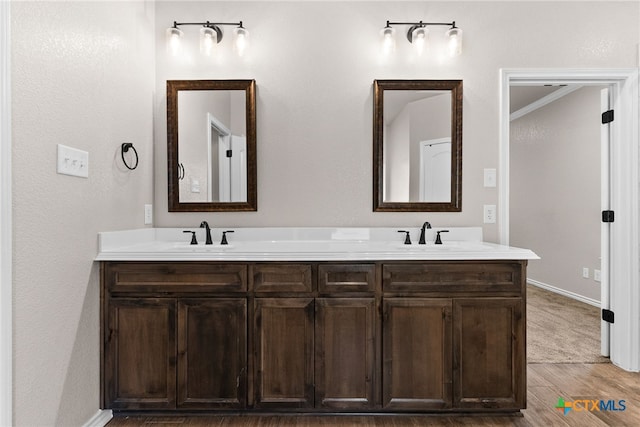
(181, 277)
(275, 277)
(343, 278)
(467, 276)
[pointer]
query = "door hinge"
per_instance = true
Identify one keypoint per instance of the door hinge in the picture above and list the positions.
(607, 315)
(607, 117)
(607, 216)
(229, 153)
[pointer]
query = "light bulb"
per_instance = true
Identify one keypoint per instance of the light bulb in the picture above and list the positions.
(388, 40)
(208, 40)
(455, 41)
(241, 39)
(174, 36)
(419, 39)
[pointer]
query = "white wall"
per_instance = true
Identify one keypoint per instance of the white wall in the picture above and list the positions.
(82, 75)
(555, 190)
(314, 65)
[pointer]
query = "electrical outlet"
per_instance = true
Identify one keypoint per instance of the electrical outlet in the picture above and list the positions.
(597, 276)
(72, 161)
(585, 272)
(148, 214)
(489, 214)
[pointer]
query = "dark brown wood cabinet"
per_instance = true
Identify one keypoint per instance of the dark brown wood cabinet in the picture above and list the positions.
(345, 356)
(489, 353)
(397, 336)
(416, 354)
(284, 353)
(212, 353)
(139, 353)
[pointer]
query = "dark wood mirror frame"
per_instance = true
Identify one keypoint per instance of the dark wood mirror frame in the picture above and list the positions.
(173, 87)
(379, 87)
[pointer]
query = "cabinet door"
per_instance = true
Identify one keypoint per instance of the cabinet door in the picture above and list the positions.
(489, 368)
(212, 353)
(416, 336)
(140, 354)
(284, 353)
(345, 353)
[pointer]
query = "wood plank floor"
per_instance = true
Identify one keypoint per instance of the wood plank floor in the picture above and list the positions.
(546, 383)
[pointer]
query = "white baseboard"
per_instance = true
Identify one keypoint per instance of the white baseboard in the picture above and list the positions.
(100, 418)
(564, 292)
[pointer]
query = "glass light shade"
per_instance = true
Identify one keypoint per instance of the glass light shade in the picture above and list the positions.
(208, 40)
(174, 36)
(388, 40)
(420, 39)
(455, 41)
(241, 40)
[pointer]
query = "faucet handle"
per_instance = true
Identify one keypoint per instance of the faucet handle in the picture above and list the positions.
(224, 237)
(194, 241)
(438, 240)
(407, 238)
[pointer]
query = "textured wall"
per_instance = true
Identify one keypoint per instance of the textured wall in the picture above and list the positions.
(555, 190)
(82, 75)
(314, 65)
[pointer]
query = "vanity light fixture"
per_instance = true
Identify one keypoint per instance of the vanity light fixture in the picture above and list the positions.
(210, 35)
(418, 36)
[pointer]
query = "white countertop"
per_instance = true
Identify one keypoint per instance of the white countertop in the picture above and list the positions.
(302, 244)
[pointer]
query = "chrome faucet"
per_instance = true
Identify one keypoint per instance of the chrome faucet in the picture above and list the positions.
(422, 240)
(205, 225)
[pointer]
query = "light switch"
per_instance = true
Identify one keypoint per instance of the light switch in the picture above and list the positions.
(72, 161)
(195, 185)
(490, 177)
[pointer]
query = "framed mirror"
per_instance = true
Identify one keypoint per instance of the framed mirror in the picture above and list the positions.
(211, 141)
(417, 145)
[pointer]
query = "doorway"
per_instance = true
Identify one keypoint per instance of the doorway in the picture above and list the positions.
(623, 267)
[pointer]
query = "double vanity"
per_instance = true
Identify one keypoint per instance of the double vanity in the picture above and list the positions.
(312, 320)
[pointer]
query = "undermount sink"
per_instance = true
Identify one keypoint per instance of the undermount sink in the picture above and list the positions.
(187, 247)
(446, 246)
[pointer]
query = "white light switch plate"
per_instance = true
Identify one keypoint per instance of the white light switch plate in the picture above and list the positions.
(490, 177)
(72, 161)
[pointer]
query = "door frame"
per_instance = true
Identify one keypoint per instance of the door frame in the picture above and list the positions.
(624, 248)
(435, 141)
(6, 285)
(224, 135)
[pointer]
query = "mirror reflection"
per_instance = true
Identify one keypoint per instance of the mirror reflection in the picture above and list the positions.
(211, 142)
(417, 145)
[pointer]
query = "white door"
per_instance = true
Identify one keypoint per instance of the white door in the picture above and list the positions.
(435, 170)
(238, 168)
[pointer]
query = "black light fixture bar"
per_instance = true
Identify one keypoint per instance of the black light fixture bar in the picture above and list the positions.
(213, 25)
(206, 24)
(420, 24)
